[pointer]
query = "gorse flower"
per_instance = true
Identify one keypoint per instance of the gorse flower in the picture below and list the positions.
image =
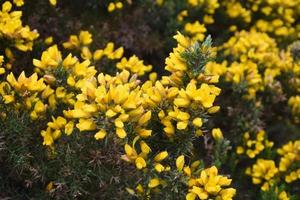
(196, 30)
(114, 6)
(253, 147)
(134, 65)
(11, 28)
(210, 185)
(264, 173)
(83, 39)
(114, 126)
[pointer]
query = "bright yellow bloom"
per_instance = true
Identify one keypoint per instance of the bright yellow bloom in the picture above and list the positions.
(263, 173)
(140, 163)
(290, 153)
(161, 156)
(53, 2)
(51, 58)
(196, 30)
(111, 7)
(23, 83)
(209, 184)
(153, 183)
(19, 2)
(12, 28)
(217, 134)
(86, 125)
(134, 65)
(180, 162)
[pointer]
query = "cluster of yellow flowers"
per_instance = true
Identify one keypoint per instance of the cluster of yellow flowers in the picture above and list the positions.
(82, 44)
(111, 102)
(254, 147)
(134, 65)
(128, 104)
(208, 184)
(267, 174)
(12, 29)
(263, 172)
(256, 62)
(120, 107)
(251, 46)
(114, 6)
(281, 19)
(76, 42)
(235, 10)
(290, 155)
(245, 73)
(195, 30)
(24, 93)
(180, 106)
(201, 183)
(277, 18)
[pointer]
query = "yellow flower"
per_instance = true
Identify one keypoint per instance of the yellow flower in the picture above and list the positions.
(283, 196)
(50, 186)
(69, 128)
(111, 7)
(197, 122)
(145, 118)
(161, 156)
(119, 5)
(19, 2)
(53, 2)
(180, 162)
(159, 167)
(86, 125)
(100, 135)
(290, 153)
(140, 163)
(217, 134)
(134, 65)
(98, 54)
(85, 38)
(121, 133)
(49, 40)
(2, 70)
(23, 83)
(210, 185)
(181, 15)
(51, 58)
(263, 173)
(183, 41)
(196, 30)
(153, 183)
(47, 136)
(145, 148)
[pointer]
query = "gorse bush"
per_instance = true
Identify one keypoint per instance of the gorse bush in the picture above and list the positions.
(165, 99)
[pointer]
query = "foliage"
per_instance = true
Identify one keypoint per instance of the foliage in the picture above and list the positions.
(98, 101)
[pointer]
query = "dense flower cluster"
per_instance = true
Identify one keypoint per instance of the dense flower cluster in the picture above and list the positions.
(91, 118)
(209, 184)
(290, 155)
(254, 147)
(263, 172)
(12, 29)
(267, 174)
